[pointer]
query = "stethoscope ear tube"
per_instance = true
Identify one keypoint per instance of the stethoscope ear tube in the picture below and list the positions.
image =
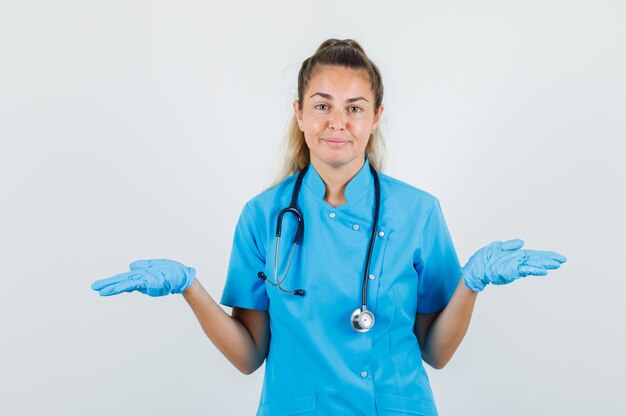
(297, 292)
(279, 224)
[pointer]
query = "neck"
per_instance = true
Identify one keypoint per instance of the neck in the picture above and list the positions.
(336, 178)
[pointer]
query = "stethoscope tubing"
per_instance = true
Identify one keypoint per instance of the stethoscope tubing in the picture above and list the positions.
(370, 250)
(362, 320)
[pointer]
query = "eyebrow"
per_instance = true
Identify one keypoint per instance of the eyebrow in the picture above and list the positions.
(330, 97)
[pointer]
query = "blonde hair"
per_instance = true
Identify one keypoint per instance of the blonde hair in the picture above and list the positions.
(347, 53)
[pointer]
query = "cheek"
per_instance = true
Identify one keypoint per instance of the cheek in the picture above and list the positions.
(314, 120)
(313, 126)
(310, 136)
(362, 130)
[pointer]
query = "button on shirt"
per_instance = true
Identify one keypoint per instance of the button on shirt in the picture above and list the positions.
(317, 363)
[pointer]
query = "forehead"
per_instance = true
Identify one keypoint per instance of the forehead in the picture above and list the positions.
(339, 81)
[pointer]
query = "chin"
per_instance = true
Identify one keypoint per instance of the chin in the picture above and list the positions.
(336, 161)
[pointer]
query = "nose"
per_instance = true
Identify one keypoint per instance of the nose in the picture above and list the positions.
(337, 120)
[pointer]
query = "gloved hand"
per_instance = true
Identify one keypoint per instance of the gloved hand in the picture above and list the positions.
(151, 277)
(500, 263)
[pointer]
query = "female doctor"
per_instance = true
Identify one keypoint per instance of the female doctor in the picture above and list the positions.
(352, 272)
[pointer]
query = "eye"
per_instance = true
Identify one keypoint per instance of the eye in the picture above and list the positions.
(355, 109)
(318, 107)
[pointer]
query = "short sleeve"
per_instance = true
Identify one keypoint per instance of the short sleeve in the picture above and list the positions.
(437, 264)
(243, 288)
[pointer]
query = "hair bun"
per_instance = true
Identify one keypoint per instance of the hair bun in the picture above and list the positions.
(331, 43)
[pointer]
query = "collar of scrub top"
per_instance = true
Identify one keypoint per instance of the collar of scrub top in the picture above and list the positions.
(358, 186)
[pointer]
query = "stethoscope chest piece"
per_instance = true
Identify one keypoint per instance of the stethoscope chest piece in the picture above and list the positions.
(362, 321)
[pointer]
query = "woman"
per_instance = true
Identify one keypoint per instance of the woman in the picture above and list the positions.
(370, 287)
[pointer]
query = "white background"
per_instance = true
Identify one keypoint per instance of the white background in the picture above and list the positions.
(138, 129)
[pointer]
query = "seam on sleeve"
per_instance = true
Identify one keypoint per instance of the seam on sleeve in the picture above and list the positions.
(432, 209)
(258, 230)
(423, 230)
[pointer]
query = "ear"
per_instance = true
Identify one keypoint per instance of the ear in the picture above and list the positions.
(379, 113)
(298, 113)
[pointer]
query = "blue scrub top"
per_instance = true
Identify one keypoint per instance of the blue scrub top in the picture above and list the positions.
(317, 363)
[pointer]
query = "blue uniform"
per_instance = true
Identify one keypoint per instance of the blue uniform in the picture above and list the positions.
(317, 363)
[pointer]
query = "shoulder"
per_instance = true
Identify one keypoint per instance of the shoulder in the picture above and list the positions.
(277, 195)
(405, 193)
(255, 214)
(408, 205)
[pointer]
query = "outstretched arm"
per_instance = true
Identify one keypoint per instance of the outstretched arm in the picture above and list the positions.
(498, 263)
(243, 337)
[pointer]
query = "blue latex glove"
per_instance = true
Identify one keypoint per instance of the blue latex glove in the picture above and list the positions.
(500, 263)
(151, 277)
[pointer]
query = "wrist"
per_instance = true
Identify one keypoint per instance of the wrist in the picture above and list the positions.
(472, 283)
(191, 288)
(188, 277)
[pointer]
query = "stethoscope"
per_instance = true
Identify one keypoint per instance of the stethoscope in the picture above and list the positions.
(362, 320)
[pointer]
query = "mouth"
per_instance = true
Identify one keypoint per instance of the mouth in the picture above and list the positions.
(335, 142)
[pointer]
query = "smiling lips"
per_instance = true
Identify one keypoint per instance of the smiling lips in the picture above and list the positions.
(335, 142)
